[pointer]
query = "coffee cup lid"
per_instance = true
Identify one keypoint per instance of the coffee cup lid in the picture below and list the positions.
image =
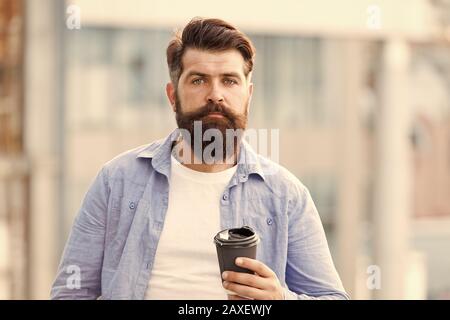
(237, 237)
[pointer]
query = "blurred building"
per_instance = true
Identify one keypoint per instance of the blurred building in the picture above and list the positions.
(14, 171)
(362, 88)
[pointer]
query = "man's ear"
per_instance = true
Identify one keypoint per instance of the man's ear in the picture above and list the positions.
(170, 91)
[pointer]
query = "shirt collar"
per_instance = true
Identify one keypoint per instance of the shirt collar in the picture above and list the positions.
(160, 152)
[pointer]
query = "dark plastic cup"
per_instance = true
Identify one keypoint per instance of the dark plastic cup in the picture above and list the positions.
(233, 243)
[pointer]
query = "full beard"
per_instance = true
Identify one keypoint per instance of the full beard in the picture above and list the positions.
(223, 135)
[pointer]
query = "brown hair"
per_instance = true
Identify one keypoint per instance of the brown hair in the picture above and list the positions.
(207, 34)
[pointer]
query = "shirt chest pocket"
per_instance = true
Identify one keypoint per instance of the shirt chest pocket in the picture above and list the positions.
(263, 218)
(270, 223)
(265, 228)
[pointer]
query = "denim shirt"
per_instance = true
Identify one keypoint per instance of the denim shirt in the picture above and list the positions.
(111, 247)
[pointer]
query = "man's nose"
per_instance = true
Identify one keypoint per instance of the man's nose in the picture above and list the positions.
(215, 95)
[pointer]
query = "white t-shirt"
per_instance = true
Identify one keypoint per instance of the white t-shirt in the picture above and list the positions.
(186, 265)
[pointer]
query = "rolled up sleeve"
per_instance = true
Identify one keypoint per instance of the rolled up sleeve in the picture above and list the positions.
(310, 272)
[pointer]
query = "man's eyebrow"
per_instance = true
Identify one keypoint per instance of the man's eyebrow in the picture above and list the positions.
(196, 73)
(232, 74)
(201, 74)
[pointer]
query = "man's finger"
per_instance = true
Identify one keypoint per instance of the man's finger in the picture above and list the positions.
(254, 265)
(245, 291)
(247, 279)
(236, 297)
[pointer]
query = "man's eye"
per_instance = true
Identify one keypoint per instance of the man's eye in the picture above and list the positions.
(230, 81)
(197, 81)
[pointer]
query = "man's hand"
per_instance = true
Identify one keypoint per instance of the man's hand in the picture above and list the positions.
(264, 285)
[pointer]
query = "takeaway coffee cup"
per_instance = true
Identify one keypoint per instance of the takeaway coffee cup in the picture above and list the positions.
(233, 243)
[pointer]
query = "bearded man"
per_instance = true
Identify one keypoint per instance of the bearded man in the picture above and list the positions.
(146, 225)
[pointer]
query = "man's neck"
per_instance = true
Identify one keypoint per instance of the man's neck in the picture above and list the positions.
(194, 162)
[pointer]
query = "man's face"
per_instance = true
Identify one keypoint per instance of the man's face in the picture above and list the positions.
(212, 89)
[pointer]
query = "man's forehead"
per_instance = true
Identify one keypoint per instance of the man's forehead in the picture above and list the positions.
(211, 62)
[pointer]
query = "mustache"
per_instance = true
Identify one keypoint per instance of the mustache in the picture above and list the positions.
(209, 108)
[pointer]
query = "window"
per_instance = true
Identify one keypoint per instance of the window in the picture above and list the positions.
(287, 80)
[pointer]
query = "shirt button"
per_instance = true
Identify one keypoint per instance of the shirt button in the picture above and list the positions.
(132, 205)
(225, 197)
(269, 221)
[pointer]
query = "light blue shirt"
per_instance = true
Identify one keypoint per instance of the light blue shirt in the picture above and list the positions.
(111, 248)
